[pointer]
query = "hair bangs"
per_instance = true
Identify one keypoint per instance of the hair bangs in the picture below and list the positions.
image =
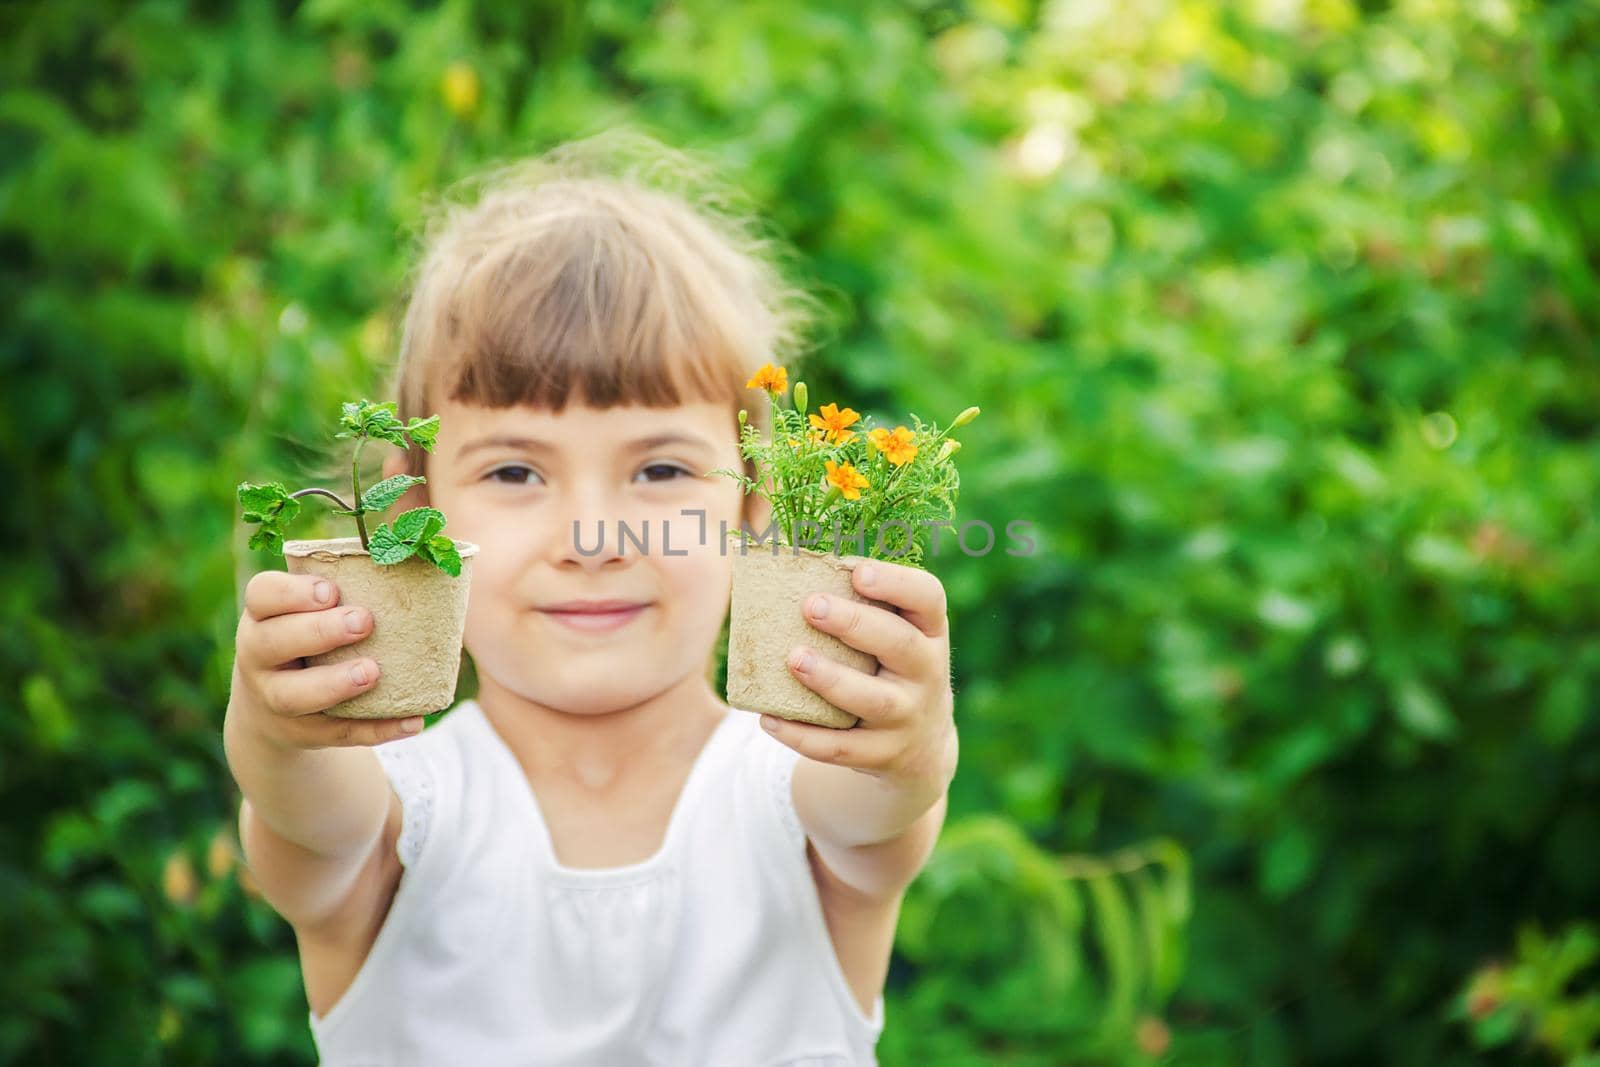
(608, 272)
(591, 315)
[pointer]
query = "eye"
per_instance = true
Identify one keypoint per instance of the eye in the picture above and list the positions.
(494, 475)
(671, 470)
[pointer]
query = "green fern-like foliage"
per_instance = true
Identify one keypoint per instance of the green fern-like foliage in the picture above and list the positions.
(1028, 946)
(840, 484)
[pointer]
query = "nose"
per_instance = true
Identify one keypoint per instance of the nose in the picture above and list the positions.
(589, 534)
(592, 544)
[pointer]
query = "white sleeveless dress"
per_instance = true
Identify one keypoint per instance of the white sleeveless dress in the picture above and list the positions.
(713, 952)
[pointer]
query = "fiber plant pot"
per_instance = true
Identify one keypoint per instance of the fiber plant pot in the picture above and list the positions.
(419, 614)
(770, 583)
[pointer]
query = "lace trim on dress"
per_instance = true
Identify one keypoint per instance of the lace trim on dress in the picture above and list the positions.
(784, 760)
(414, 786)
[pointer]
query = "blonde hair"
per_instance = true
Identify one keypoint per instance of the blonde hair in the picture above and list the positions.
(610, 270)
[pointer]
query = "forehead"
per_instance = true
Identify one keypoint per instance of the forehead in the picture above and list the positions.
(581, 428)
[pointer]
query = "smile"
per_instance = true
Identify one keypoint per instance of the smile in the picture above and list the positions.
(597, 621)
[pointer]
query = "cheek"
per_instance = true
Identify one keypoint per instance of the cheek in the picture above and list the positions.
(699, 583)
(505, 555)
(504, 522)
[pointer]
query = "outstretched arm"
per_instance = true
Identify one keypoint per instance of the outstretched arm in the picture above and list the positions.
(318, 817)
(872, 798)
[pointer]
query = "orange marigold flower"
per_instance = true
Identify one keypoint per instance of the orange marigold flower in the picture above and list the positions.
(897, 447)
(832, 421)
(846, 479)
(773, 379)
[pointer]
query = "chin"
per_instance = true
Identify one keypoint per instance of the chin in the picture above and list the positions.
(595, 684)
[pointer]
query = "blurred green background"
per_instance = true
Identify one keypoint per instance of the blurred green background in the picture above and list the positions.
(1283, 748)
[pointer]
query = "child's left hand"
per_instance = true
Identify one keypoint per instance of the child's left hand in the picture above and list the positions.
(907, 730)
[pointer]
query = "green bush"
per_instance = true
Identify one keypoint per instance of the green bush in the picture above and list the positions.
(1282, 317)
(1544, 997)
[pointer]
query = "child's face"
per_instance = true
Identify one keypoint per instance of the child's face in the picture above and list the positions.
(518, 502)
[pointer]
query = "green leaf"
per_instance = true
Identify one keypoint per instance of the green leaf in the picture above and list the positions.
(263, 503)
(123, 800)
(272, 507)
(389, 433)
(1420, 710)
(350, 419)
(261, 996)
(268, 539)
(382, 496)
(110, 902)
(441, 552)
(1287, 862)
(387, 548)
(1162, 932)
(54, 726)
(375, 421)
(70, 840)
(419, 524)
(380, 423)
(1113, 923)
(424, 432)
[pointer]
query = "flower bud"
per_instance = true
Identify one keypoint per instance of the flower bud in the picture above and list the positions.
(964, 418)
(800, 397)
(744, 416)
(946, 450)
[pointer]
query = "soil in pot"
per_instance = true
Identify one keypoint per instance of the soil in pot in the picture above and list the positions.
(766, 622)
(419, 614)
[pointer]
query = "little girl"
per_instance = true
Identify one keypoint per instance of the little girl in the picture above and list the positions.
(595, 860)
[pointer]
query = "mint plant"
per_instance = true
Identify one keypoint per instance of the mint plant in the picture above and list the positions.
(414, 533)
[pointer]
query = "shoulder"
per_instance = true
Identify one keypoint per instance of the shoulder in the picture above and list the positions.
(446, 738)
(763, 768)
(428, 773)
(440, 752)
(815, 906)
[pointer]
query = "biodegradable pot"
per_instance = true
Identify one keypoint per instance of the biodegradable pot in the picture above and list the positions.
(418, 616)
(770, 583)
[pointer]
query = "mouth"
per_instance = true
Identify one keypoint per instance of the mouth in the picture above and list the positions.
(596, 618)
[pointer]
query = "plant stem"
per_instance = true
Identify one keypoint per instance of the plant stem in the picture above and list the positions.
(784, 510)
(888, 483)
(355, 490)
(315, 491)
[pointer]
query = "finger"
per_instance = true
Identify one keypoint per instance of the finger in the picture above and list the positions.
(324, 731)
(273, 593)
(919, 595)
(854, 747)
(896, 644)
(304, 691)
(877, 700)
(280, 642)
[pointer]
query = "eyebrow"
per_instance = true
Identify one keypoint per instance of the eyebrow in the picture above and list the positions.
(533, 444)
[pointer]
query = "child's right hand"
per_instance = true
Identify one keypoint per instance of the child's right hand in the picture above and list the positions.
(279, 697)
